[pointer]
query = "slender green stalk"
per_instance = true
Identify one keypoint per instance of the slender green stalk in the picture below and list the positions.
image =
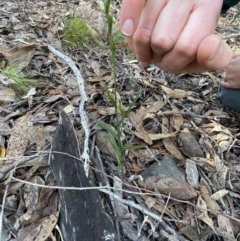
(121, 113)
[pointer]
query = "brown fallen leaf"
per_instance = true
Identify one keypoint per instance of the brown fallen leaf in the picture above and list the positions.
(192, 174)
(201, 205)
(7, 95)
(225, 225)
(219, 194)
(177, 121)
(155, 107)
(103, 110)
(221, 170)
(152, 203)
(206, 195)
(176, 93)
(136, 120)
(168, 142)
(212, 77)
(160, 136)
(21, 58)
(203, 161)
(100, 79)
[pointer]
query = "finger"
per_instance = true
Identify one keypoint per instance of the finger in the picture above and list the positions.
(142, 36)
(199, 26)
(227, 85)
(213, 53)
(193, 67)
(236, 55)
(169, 26)
(129, 15)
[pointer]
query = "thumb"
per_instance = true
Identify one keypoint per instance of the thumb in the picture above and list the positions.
(213, 53)
(130, 15)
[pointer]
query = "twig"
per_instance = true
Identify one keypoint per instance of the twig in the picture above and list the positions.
(179, 113)
(84, 122)
(104, 189)
(233, 35)
(133, 205)
(7, 168)
(101, 188)
(3, 204)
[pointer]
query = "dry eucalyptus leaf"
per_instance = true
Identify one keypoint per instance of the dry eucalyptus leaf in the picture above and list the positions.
(192, 173)
(142, 134)
(219, 194)
(221, 170)
(225, 225)
(30, 93)
(176, 93)
(212, 77)
(206, 195)
(31, 192)
(160, 208)
(160, 136)
(52, 98)
(155, 107)
(21, 58)
(41, 230)
(204, 214)
(96, 68)
(168, 142)
(172, 149)
(150, 202)
(136, 120)
(69, 108)
(103, 110)
(203, 161)
(177, 121)
(7, 95)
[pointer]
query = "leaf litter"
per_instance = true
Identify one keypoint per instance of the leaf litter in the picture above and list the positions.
(178, 119)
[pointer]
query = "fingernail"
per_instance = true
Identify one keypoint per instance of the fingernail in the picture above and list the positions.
(143, 64)
(127, 27)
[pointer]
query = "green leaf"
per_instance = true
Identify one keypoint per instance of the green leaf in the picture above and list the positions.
(130, 147)
(107, 6)
(118, 151)
(104, 126)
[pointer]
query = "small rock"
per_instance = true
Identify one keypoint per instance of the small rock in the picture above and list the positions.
(168, 178)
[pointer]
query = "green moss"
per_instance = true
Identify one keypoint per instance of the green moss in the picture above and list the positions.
(78, 32)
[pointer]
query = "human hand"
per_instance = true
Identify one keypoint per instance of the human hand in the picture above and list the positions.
(176, 35)
(232, 73)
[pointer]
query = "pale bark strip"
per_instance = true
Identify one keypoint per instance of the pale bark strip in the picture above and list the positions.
(84, 120)
(3, 205)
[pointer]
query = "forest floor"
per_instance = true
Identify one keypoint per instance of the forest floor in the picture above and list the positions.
(178, 120)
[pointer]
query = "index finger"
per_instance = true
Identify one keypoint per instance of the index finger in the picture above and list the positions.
(129, 15)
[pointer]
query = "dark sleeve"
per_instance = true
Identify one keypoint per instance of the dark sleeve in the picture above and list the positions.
(227, 4)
